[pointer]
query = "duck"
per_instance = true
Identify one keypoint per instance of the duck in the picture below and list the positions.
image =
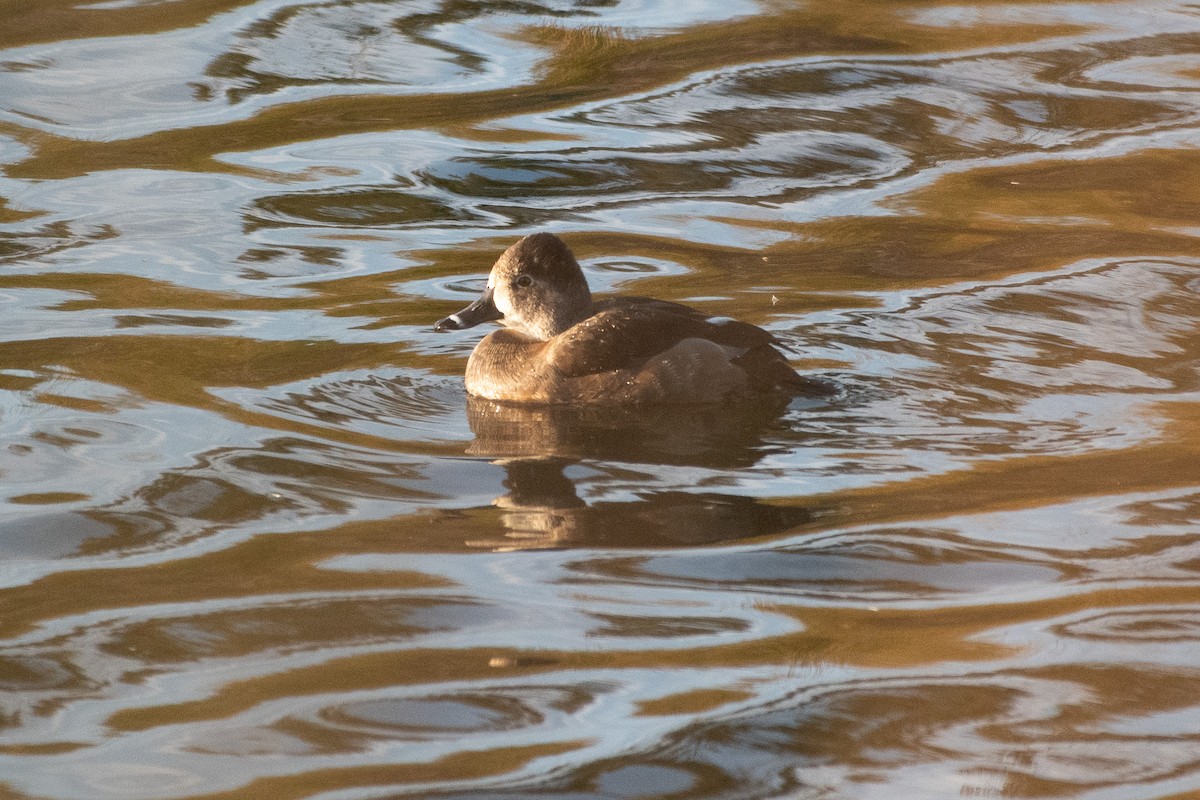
(559, 346)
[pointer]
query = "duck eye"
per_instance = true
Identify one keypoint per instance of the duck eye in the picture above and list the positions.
(524, 281)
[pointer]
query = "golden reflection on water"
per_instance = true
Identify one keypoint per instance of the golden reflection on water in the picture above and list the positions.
(255, 542)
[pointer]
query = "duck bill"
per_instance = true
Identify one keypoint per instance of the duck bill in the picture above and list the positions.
(482, 310)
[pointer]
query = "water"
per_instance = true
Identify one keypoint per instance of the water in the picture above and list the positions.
(255, 542)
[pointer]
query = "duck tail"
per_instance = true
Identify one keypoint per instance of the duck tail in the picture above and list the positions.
(769, 372)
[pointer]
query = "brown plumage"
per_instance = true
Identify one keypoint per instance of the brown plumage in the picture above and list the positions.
(559, 346)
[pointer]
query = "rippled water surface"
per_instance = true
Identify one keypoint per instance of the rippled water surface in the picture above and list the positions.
(256, 543)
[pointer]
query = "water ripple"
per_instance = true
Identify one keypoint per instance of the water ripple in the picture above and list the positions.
(256, 542)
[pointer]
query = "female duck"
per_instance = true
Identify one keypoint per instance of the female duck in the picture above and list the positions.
(560, 347)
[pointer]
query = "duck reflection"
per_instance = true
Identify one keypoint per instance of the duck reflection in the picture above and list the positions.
(714, 436)
(543, 509)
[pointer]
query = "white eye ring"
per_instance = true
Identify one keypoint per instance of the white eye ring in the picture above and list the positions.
(524, 281)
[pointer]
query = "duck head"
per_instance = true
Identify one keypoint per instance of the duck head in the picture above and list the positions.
(536, 287)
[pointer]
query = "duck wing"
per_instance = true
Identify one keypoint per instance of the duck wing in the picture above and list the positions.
(627, 331)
